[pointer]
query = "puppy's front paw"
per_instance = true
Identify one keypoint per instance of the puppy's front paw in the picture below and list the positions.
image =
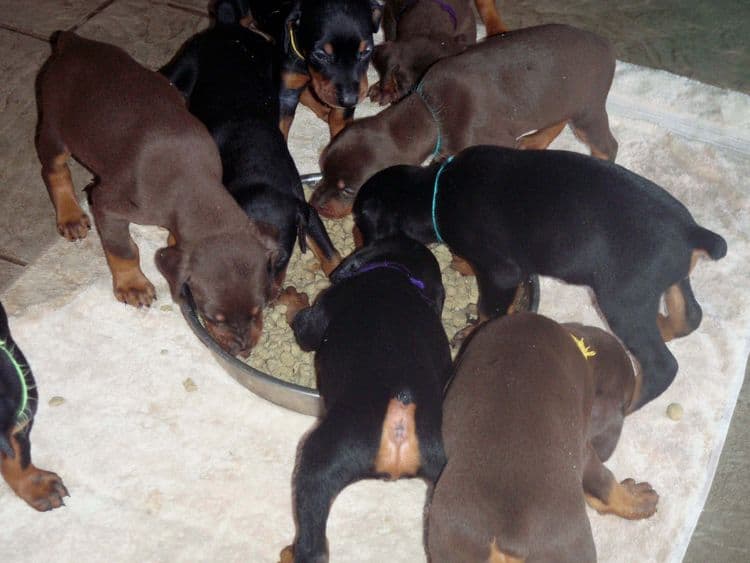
(74, 225)
(136, 292)
(294, 301)
(628, 499)
(43, 490)
(287, 555)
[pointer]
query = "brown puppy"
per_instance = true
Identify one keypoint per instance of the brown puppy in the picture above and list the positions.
(155, 164)
(420, 32)
(539, 78)
(532, 411)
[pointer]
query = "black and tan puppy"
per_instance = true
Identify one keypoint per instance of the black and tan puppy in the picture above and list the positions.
(382, 359)
(327, 48)
(41, 489)
(420, 32)
(495, 92)
(155, 164)
(533, 410)
(229, 78)
(512, 213)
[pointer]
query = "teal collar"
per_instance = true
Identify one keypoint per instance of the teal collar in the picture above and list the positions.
(434, 199)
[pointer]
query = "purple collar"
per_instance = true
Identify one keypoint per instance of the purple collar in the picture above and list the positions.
(447, 8)
(416, 282)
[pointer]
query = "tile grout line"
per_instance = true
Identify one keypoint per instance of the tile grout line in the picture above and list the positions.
(10, 258)
(96, 11)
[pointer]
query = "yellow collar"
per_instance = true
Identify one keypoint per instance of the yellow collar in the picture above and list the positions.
(293, 42)
(585, 350)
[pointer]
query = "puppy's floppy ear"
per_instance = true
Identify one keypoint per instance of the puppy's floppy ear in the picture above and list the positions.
(229, 11)
(377, 13)
(172, 264)
(354, 262)
(268, 235)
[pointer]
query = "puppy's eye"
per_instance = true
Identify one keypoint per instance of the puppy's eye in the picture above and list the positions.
(320, 55)
(366, 53)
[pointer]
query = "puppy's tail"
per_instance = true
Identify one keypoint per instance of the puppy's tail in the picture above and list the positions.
(60, 38)
(714, 245)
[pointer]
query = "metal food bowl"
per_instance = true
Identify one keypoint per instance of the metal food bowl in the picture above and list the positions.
(283, 393)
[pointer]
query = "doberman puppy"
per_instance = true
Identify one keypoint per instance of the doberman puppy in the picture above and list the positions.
(228, 76)
(327, 45)
(537, 78)
(418, 33)
(41, 489)
(155, 164)
(533, 410)
(382, 360)
(511, 213)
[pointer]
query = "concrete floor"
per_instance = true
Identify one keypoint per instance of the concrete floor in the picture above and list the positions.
(707, 41)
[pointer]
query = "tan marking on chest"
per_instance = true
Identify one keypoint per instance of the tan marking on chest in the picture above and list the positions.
(398, 454)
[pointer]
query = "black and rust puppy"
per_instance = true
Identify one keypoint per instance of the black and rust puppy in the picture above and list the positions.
(382, 360)
(327, 48)
(43, 490)
(533, 411)
(511, 213)
(229, 77)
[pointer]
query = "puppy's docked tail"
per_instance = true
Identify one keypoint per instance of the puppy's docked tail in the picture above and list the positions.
(60, 39)
(712, 244)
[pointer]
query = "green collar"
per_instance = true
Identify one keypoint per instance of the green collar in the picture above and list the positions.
(20, 371)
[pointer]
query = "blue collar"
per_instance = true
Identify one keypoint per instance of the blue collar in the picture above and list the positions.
(434, 198)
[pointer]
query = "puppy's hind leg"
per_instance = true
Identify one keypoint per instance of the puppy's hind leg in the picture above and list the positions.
(72, 222)
(684, 314)
(592, 128)
(604, 494)
(335, 454)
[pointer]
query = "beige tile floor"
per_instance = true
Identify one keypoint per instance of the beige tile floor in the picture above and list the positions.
(702, 40)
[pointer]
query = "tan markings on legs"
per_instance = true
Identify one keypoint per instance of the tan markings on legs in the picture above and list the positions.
(541, 139)
(628, 499)
(461, 265)
(675, 323)
(42, 490)
(171, 240)
(697, 255)
(497, 556)
(585, 139)
(398, 454)
(337, 121)
(130, 284)
(491, 19)
(287, 555)
(321, 110)
(294, 302)
(72, 222)
(357, 236)
(326, 264)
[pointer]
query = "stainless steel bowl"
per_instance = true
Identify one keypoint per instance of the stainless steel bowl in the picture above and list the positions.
(289, 395)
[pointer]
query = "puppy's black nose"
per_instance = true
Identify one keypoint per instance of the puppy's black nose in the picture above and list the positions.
(349, 98)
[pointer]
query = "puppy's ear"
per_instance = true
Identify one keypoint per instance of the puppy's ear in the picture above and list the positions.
(172, 264)
(377, 13)
(268, 235)
(354, 262)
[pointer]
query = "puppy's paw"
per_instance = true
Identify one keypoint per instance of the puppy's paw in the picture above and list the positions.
(287, 555)
(74, 225)
(42, 490)
(642, 500)
(138, 292)
(294, 301)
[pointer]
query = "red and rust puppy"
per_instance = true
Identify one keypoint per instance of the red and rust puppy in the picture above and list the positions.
(418, 33)
(41, 489)
(512, 213)
(327, 48)
(229, 77)
(155, 164)
(533, 410)
(382, 360)
(539, 78)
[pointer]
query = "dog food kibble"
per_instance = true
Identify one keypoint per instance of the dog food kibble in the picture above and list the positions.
(56, 401)
(189, 385)
(674, 411)
(165, 308)
(277, 353)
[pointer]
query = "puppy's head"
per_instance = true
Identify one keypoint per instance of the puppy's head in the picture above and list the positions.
(335, 39)
(230, 279)
(401, 64)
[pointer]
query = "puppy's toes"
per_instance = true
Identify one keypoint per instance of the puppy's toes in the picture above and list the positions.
(294, 301)
(644, 499)
(74, 228)
(44, 490)
(136, 295)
